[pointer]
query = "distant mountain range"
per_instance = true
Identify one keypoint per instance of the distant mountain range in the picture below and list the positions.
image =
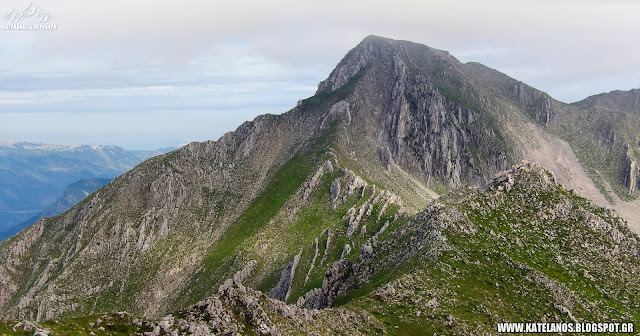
(32, 175)
(412, 194)
(71, 195)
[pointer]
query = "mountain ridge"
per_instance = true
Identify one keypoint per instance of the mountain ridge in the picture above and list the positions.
(305, 195)
(467, 223)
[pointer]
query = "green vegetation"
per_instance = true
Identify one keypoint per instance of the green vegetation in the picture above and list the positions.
(286, 181)
(599, 140)
(525, 259)
(99, 325)
(335, 219)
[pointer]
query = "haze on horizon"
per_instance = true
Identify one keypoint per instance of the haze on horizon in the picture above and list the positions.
(146, 75)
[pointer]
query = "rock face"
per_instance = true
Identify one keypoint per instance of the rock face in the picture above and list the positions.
(319, 204)
(425, 128)
(238, 310)
(282, 290)
(612, 128)
(629, 173)
(538, 104)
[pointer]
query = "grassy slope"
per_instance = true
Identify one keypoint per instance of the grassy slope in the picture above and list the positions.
(514, 270)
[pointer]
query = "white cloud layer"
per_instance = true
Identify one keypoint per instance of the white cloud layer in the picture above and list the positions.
(121, 58)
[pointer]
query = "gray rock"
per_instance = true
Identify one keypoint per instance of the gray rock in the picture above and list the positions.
(345, 251)
(282, 290)
(334, 190)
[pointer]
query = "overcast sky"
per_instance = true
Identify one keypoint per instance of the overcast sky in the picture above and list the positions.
(148, 74)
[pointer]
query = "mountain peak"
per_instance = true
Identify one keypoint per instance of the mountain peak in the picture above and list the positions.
(382, 49)
(617, 100)
(375, 39)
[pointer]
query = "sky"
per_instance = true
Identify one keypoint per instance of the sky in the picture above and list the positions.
(150, 74)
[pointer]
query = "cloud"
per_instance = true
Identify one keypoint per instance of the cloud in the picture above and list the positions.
(219, 55)
(592, 37)
(132, 130)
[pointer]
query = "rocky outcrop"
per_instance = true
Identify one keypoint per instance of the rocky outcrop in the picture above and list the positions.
(310, 185)
(537, 104)
(431, 133)
(336, 282)
(385, 157)
(629, 172)
(506, 179)
(240, 276)
(419, 236)
(334, 189)
(338, 112)
(282, 290)
(239, 310)
(313, 261)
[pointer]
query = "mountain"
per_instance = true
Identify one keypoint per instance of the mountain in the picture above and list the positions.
(33, 175)
(464, 264)
(613, 121)
(395, 193)
(71, 195)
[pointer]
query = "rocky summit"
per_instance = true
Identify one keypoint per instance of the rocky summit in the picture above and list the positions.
(412, 194)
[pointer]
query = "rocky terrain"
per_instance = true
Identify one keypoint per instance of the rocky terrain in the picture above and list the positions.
(394, 200)
(465, 263)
